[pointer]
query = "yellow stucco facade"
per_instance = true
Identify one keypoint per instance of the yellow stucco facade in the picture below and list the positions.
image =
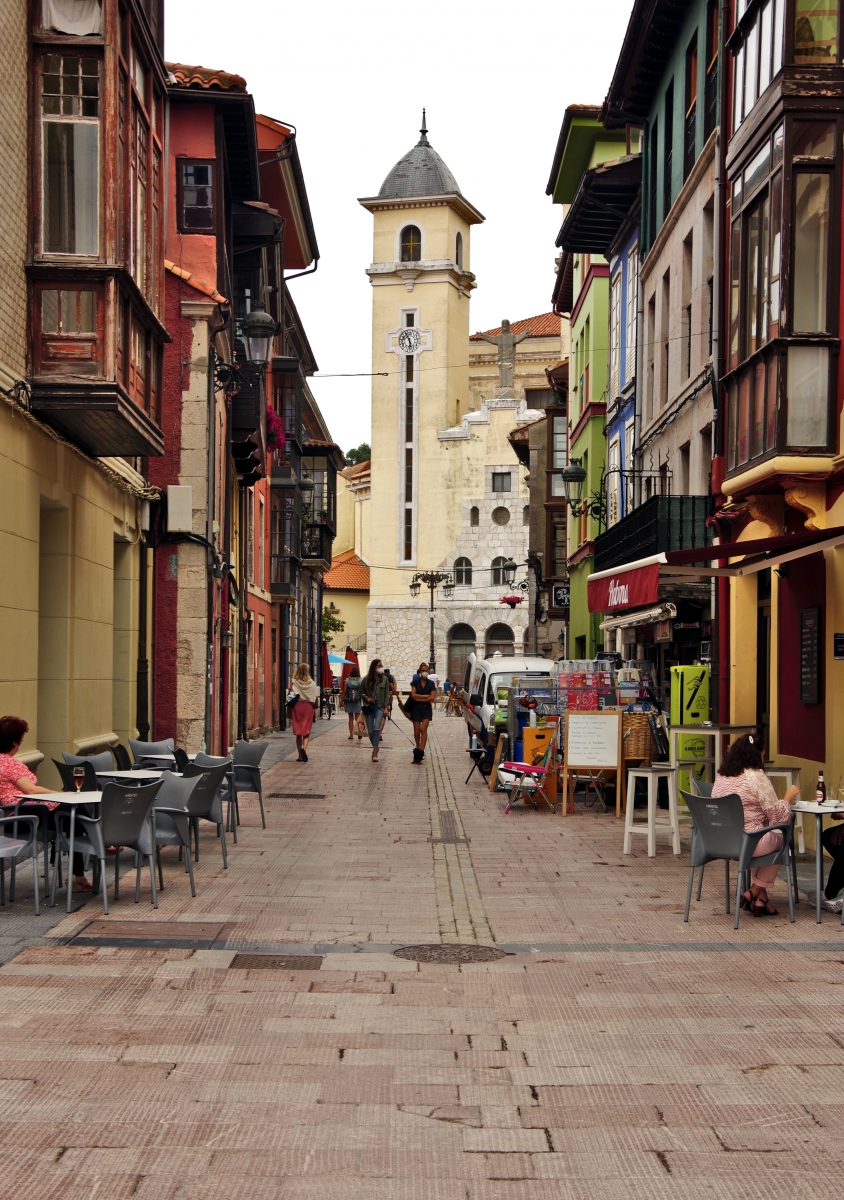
(445, 482)
(69, 595)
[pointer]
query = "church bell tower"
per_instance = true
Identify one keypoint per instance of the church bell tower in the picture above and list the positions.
(421, 283)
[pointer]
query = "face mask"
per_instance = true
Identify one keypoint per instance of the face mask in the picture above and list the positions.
(379, 670)
(423, 675)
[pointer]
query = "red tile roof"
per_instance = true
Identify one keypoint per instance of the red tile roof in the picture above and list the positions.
(206, 78)
(545, 325)
(347, 573)
(356, 469)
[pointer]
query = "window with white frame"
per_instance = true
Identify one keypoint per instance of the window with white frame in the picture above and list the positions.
(615, 336)
(558, 452)
(632, 288)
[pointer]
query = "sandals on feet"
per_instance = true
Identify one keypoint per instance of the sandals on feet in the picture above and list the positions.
(763, 908)
(746, 901)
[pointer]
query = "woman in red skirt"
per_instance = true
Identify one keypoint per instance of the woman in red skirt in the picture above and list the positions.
(302, 701)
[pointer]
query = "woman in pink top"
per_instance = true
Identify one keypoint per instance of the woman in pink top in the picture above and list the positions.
(741, 774)
(16, 778)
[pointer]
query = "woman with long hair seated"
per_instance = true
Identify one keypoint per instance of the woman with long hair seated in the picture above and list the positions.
(16, 779)
(741, 774)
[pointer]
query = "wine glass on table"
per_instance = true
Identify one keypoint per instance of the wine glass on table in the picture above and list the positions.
(79, 776)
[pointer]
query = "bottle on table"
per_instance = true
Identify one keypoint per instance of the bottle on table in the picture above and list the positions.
(820, 791)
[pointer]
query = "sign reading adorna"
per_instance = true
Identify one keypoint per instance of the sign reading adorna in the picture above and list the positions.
(624, 589)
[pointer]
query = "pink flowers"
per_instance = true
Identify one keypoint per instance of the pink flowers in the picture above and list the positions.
(512, 601)
(275, 430)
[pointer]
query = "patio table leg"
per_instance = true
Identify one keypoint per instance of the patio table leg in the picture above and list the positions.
(70, 857)
(818, 863)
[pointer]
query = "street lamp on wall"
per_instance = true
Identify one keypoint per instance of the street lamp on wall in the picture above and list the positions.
(509, 571)
(257, 330)
(573, 477)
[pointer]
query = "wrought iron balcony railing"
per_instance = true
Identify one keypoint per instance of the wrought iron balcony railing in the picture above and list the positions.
(661, 523)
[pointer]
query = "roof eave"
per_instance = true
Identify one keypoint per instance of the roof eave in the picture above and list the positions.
(625, 102)
(467, 210)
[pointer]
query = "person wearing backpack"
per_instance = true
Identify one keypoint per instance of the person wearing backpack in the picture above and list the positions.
(351, 702)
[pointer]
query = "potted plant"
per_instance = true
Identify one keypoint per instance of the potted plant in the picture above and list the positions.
(511, 601)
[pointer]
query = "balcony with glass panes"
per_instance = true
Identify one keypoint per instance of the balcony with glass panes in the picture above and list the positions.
(782, 342)
(96, 261)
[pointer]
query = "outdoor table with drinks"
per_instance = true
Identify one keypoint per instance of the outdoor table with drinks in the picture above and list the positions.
(826, 801)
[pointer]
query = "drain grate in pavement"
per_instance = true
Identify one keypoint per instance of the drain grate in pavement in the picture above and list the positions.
(276, 962)
(296, 796)
(448, 830)
(450, 953)
(150, 935)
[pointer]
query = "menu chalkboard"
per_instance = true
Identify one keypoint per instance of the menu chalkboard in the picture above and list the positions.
(810, 655)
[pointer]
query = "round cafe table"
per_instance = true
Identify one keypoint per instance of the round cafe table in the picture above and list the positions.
(804, 806)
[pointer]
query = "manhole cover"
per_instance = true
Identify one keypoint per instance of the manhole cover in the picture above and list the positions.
(276, 962)
(450, 954)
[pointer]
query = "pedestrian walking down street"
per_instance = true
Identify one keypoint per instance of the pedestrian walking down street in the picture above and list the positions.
(422, 694)
(302, 702)
(375, 692)
(351, 702)
(394, 691)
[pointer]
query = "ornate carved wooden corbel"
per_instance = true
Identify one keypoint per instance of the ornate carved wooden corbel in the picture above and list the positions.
(770, 510)
(809, 498)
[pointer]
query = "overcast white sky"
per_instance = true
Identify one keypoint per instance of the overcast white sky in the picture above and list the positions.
(353, 78)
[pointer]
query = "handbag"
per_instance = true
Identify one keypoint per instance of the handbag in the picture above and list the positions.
(291, 701)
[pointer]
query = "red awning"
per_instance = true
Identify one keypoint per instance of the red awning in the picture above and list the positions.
(631, 585)
(350, 666)
(612, 591)
(327, 677)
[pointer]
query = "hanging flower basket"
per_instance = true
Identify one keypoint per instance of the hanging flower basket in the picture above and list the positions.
(511, 601)
(275, 430)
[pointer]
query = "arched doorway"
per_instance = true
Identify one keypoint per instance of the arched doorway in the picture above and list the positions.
(500, 638)
(461, 643)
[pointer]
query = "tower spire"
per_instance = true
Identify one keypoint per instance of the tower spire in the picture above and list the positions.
(423, 140)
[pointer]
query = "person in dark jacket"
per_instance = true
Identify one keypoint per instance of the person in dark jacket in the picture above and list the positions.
(423, 693)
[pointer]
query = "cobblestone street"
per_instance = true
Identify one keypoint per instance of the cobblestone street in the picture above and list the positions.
(613, 1053)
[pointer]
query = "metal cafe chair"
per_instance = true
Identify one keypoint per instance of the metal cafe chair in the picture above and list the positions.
(171, 817)
(719, 833)
(124, 820)
(15, 848)
(206, 801)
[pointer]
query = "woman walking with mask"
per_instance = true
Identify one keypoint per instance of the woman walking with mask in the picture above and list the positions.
(422, 694)
(375, 693)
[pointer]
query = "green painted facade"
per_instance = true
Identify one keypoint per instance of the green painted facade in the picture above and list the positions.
(586, 145)
(671, 96)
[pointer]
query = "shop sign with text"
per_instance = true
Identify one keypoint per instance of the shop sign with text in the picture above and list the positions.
(627, 589)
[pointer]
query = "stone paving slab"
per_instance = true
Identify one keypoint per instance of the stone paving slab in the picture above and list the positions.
(615, 1053)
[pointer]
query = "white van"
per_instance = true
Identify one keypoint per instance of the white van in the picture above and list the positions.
(484, 675)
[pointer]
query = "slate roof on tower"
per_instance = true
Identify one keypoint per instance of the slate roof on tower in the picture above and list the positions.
(420, 173)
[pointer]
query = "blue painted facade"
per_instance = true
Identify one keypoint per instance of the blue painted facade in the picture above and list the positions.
(622, 379)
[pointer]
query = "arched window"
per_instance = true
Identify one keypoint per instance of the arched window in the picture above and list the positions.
(474, 516)
(500, 638)
(526, 515)
(461, 643)
(458, 251)
(411, 244)
(463, 574)
(498, 571)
